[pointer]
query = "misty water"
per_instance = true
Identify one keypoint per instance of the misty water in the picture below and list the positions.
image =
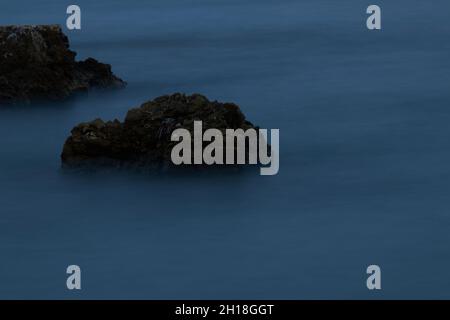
(364, 160)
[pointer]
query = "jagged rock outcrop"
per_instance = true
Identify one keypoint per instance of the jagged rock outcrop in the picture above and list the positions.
(145, 135)
(36, 64)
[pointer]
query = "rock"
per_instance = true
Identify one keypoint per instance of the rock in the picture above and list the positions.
(36, 64)
(145, 135)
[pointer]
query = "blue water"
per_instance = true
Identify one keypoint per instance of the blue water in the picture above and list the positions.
(364, 175)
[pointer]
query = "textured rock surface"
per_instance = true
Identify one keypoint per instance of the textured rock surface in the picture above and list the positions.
(36, 64)
(144, 136)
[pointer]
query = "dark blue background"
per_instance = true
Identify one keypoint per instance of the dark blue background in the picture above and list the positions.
(364, 178)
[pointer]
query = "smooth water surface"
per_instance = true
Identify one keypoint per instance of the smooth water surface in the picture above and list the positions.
(364, 177)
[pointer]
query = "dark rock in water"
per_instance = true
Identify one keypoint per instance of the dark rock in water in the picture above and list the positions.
(145, 135)
(36, 64)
